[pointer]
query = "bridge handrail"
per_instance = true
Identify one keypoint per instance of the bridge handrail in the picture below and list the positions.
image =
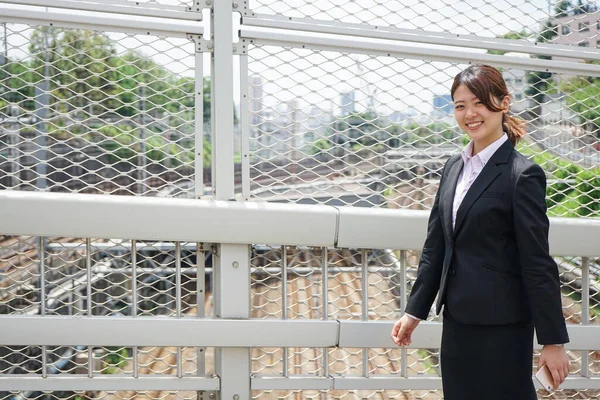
(102, 216)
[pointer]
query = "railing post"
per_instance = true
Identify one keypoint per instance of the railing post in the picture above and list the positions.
(585, 311)
(232, 269)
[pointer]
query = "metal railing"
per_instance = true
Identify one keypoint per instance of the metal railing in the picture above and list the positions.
(310, 103)
(302, 331)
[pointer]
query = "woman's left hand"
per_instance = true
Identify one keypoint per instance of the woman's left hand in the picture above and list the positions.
(557, 361)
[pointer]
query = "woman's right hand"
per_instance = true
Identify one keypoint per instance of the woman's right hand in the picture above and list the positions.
(403, 329)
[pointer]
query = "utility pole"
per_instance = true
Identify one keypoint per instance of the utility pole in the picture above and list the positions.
(42, 94)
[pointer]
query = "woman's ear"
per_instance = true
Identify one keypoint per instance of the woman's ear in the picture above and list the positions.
(505, 104)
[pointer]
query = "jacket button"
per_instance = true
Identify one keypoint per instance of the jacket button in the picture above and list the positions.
(452, 271)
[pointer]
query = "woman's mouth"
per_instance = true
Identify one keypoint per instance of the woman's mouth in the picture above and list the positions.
(474, 125)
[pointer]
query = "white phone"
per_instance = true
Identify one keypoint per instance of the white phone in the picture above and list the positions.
(544, 377)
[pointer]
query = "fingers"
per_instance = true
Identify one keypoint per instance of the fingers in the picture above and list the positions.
(559, 374)
(401, 335)
(395, 331)
(556, 381)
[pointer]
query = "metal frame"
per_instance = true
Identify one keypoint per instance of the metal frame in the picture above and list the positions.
(421, 37)
(231, 225)
(77, 383)
(388, 48)
(100, 216)
(121, 7)
(103, 22)
(151, 382)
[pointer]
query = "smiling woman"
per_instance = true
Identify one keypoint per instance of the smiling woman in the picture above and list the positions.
(486, 256)
(480, 94)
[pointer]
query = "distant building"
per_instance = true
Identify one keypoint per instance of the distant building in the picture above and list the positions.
(516, 83)
(348, 103)
(578, 29)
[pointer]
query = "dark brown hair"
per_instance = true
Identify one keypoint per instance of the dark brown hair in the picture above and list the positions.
(487, 84)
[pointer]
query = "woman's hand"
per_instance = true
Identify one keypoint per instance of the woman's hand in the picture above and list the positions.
(557, 361)
(402, 331)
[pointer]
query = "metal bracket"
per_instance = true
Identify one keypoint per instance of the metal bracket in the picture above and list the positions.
(202, 45)
(241, 47)
(206, 3)
(214, 248)
(241, 6)
(207, 395)
(206, 247)
(196, 7)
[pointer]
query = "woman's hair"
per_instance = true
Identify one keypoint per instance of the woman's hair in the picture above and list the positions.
(488, 85)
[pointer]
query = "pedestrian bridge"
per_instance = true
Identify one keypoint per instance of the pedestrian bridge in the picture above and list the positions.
(317, 289)
(194, 201)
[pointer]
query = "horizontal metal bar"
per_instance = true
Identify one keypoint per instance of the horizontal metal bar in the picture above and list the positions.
(362, 228)
(574, 237)
(187, 220)
(422, 37)
(118, 7)
(378, 334)
(387, 382)
(434, 383)
(152, 331)
(165, 382)
(120, 247)
(114, 382)
(381, 47)
(293, 382)
(102, 22)
(254, 270)
(208, 221)
(428, 335)
(381, 383)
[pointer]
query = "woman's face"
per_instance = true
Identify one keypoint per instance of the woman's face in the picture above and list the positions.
(475, 119)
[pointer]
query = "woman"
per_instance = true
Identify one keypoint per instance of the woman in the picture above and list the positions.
(486, 256)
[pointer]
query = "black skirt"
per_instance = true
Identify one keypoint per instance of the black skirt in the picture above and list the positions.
(487, 362)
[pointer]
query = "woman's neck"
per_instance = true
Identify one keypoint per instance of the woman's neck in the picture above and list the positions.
(479, 145)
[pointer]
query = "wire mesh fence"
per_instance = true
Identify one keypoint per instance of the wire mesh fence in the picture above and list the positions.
(371, 131)
(349, 272)
(95, 112)
(88, 111)
(107, 278)
(565, 22)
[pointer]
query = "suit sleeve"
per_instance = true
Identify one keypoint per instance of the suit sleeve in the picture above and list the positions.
(539, 271)
(429, 271)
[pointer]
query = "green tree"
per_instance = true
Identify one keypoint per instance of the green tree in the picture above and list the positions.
(584, 99)
(563, 9)
(81, 67)
(16, 85)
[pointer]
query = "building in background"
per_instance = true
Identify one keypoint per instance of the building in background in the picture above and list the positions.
(581, 28)
(348, 103)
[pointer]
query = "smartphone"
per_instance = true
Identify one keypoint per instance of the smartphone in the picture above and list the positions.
(544, 377)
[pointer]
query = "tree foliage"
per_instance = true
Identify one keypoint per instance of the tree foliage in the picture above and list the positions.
(105, 97)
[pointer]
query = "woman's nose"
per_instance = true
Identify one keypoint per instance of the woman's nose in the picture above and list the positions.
(470, 113)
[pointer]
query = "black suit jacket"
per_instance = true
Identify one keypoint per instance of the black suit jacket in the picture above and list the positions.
(494, 267)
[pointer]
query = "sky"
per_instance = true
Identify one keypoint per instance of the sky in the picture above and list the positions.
(387, 82)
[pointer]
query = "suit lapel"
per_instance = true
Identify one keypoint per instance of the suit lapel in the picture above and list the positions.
(487, 175)
(448, 197)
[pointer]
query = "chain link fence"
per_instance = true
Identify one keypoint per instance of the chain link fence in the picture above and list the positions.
(87, 111)
(371, 131)
(95, 112)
